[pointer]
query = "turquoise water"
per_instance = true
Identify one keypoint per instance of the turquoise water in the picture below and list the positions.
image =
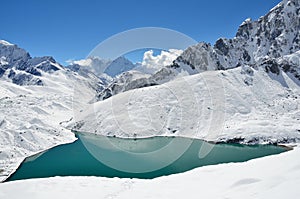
(134, 158)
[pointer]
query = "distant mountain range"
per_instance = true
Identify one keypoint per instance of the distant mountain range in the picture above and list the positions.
(272, 42)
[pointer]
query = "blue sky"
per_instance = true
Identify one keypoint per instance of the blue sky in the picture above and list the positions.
(68, 29)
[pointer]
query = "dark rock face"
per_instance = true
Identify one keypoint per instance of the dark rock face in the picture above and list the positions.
(46, 64)
(2, 71)
(256, 140)
(246, 56)
(24, 79)
(47, 67)
(11, 74)
(106, 95)
(33, 71)
(245, 29)
(221, 47)
(182, 60)
(286, 66)
(75, 67)
(271, 66)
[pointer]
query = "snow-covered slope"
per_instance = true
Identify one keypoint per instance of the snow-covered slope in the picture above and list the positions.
(37, 97)
(32, 118)
(244, 103)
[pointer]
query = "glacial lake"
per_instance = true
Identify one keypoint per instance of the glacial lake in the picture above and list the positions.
(146, 158)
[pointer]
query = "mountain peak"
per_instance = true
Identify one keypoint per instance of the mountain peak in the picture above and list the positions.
(118, 66)
(274, 35)
(17, 66)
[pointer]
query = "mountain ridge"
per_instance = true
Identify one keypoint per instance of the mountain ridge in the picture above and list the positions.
(265, 43)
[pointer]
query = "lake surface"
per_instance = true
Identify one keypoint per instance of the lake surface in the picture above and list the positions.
(94, 155)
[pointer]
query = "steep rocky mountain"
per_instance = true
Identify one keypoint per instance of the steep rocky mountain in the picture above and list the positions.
(18, 66)
(272, 42)
(256, 43)
(134, 79)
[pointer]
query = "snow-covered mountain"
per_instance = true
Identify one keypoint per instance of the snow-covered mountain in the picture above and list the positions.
(118, 66)
(17, 65)
(245, 89)
(242, 104)
(151, 71)
(272, 42)
(270, 37)
(134, 79)
(99, 66)
(95, 65)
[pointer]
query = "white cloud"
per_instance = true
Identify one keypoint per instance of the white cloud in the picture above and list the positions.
(156, 62)
(82, 62)
(94, 64)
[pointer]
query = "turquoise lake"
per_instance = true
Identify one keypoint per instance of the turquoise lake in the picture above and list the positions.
(144, 158)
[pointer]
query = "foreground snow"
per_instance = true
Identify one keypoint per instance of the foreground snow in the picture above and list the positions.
(273, 177)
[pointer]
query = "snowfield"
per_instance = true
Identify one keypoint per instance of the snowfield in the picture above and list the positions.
(273, 177)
